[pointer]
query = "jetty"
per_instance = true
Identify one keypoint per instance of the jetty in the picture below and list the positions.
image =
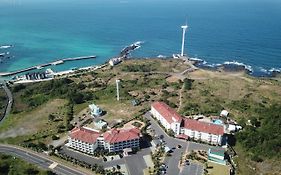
(40, 66)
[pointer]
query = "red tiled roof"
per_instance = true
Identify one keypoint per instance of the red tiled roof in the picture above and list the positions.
(84, 135)
(167, 112)
(203, 127)
(120, 135)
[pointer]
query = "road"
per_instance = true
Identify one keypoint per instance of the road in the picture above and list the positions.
(135, 163)
(10, 101)
(40, 160)
(186, 146)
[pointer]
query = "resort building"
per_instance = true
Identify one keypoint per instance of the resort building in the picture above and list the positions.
(95, 110)
(187, 128)
(83, 139)
(118, 139)
(87, 140)
(167, 116)
(203, 131)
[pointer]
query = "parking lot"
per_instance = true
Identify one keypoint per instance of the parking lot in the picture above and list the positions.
(192, 169)
(135, 163)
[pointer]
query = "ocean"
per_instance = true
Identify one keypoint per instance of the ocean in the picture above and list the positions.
(244, 32)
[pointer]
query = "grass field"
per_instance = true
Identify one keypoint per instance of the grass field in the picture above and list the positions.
(218, 169)
(11, 165)
(33, 124)
(147, 81)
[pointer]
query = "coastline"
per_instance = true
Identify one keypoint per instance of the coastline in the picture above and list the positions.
(232, 70)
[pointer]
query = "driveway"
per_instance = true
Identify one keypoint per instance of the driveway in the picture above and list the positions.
(135, 163)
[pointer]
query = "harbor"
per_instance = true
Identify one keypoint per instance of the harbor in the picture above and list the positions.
(40, 66)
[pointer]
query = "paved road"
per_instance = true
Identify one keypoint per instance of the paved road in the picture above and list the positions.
(192, 169)
(135, 163)
(10, 101)
(40, 160)
(186, 146)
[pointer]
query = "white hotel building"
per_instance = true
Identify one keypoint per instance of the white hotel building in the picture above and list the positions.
(87, 140)
(83, 139)
(187, 128)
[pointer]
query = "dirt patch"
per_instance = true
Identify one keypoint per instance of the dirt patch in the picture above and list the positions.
(30, 122)
(130, 124)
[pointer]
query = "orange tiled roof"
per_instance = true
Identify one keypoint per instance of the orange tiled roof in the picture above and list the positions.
(167, 112)
(84, 135)
(203, 127)
(120, 135)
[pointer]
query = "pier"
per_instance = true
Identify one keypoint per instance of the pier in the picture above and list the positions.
(60, 61)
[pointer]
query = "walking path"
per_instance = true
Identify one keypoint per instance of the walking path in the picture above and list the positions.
(181, 97)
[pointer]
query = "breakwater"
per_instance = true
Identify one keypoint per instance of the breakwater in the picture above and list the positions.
(60, 61)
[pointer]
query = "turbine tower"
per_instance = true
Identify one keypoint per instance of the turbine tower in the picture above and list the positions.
(184, 28)
(117, 89)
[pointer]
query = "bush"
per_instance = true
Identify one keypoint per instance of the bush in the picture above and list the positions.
(265, 140)
(54, 137)
(187, 83)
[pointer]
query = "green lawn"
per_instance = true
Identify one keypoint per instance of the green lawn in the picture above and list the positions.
(218, 169)
(16, 166)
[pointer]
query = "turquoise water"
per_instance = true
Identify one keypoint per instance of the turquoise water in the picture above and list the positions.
(218, 122)
(245, 31)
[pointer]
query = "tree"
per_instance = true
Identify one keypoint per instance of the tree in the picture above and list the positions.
(170, 132)
(51, 117)
(31, 171)
(54, 137)
(187, 83)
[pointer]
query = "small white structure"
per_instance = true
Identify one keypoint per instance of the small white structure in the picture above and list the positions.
(95, 110)
(233, 128)
(100, 124)
(115, 61)
(217, 155)
(117, 89)
(224, 113)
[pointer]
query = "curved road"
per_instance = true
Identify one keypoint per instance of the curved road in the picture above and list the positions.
(30, 156)
(40, 160)
(10, 101)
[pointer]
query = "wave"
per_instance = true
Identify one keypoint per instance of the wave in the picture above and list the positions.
(236, 63)
(237, 66)
(6, 46)
(161, 56)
